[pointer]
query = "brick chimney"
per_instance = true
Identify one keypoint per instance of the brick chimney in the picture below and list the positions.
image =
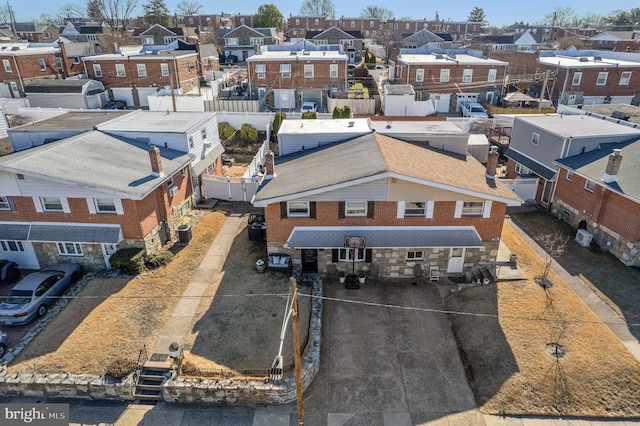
(156, 161)
(269, 165)
(611, 173)
(492, 162)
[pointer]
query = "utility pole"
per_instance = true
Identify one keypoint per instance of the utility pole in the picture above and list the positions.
(173, 95)
(544, 87)
(13, 19)
(296, 350)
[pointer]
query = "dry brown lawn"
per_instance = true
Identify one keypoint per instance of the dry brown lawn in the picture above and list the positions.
(507, 363)
(113, 317)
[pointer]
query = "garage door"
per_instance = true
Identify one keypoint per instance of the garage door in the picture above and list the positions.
(123, 94)
(143, 93)
(20, 252)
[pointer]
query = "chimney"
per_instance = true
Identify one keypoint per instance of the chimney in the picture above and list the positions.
(269, 165)
(611, 173)
(492, 162)
(156, 161)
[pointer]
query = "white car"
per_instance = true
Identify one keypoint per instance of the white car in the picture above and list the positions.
(309, 107)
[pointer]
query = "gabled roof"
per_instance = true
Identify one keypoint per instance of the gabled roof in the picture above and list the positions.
(531, 164)
(372, 157)
(424, 36)
(170, 31)
(96, 160)
(593, 164)
(243, 27)
(346, 34)
(25, 27)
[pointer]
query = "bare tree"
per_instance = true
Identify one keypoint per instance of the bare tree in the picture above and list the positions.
(391, 41)
(560, 17)
(186, 7)
(554, 244)
(324, 8)
(117, 13)
(71, 10)
(382, 13)
(5, 16)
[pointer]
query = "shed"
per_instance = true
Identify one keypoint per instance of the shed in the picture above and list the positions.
(69, 93)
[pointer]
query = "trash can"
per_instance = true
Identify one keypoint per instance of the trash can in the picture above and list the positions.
(184, 234)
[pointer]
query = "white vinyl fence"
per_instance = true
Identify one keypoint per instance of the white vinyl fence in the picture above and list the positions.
(525, 188)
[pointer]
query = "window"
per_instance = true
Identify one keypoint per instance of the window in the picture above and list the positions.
(76, 60)
(353, 24)
(295, 32)
(590, 185)
(419, 75)
(7, 65)
(142, 70)
(190, 142)
(51, 204)
(203, 133)
(105, 205)
(317, 21)
(414, 208)
(415, 255)
(43, 65)
(567, 215)
(624, 78)
(347, 255)
(261, 70)
(333, 71)
(298, 209)
(577, 78)
(58, 62)
(302, 31)
(233, 41)
(492, 75)
(467, 75)
(407, 25)
(92, 37)
(308, 71)
(371, 24)
(170, 182)
(535, 138)
(569, 175)
(147, 39)
(472, 208)
(297, 22)
(189, 67)
(355, 208)
(257, 40)
(97, 70)
(170, 39)
(4, 203)
(602, 78)
(522, 170)
(285, 70)
(69, 249)
(164, 70)
(444, 75)
(46, 35)
(120, 71)
(11, 246)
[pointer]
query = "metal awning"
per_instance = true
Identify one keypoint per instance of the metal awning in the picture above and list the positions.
(207, 160)
(58, 232)
(386, 236)
(13, 231)
(537, 168)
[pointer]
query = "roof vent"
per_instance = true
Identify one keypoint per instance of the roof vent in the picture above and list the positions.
(438, 56)
(597, 58)
(584, 59)
(306, 52)
(351, 123)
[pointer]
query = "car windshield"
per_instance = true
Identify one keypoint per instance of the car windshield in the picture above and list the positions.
(18, 297)
(477, 109)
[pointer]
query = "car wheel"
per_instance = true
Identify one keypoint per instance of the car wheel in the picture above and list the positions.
(3, 349)
(75, 277)
(42, 310)
(13, 275)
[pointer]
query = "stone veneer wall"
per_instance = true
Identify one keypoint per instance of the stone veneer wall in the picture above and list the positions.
(392, 262)
(177, 388)
(92, 258)
(626, 251)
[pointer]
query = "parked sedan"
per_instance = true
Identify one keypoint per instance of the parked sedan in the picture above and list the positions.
(9, 272)
(117, 104)
(32, 296)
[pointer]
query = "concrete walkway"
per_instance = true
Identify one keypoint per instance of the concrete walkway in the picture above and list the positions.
(180, 323)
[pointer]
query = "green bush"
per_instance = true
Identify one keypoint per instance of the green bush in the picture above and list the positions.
(247, 131)
(129, 260)
(225, 130)
(120, 368)
(342, 112)
(309, 115)
(278, 118)
(159, 258)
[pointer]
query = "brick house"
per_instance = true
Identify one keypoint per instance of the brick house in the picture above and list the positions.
(450, 76)
(85, 196)
(539, 141)
(298, 26)
(610, 40)
(243, 41)
(403, 199)
(593, 76)
(351, 41)
(298, 73)
(459, 30)
(157, 35)
(600, 189)
(22, 62)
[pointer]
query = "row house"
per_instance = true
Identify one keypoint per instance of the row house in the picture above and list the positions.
(243, 41)
(548, 33)
(207, 23)
(508, 42)
(612, 40)
(84, 31)
(459, 30)
(84, 197)
(351, 41)
(374, 199)
(30, 31)
(450, 76)
(22, 62)
(298, 73)
(136, 72)
(588, 77)
(158, 35)
(298, 26)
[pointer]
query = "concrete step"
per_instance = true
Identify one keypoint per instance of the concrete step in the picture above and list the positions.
(148, 395)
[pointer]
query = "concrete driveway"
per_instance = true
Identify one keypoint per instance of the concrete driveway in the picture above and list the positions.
(387, 360)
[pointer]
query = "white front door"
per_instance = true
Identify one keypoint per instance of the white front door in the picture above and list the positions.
(21, 252)
(107, 251)
(456, 260)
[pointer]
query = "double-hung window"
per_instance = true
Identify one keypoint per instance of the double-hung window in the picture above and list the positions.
(97, 70)
(142, 70)
(7, 65)
(625, 77)
(261, 70)
(285, 70)
(602, 78)
(164, 70)
(120, 71)
(491, 77)
(43, 64)
(348, 255)
(298, 209)
(577, 78)
(590, 185)
(4, 203)
(105, 205)
(472, 208)
(308, 71)
(333, 71)
(355, 208)
(415, 208)
(467, 75)
(8, 245)
(535, 138)
(52, 204)
(444, 75)
(420, 75)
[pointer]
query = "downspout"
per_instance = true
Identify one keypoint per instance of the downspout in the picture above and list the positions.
(84, 65)
(564, 85)
(175, 70)
(18, 70)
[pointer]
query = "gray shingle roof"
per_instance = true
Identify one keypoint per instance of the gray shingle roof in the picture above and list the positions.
(386, 237)
(16, 232)
(75, 233)
(537, 168)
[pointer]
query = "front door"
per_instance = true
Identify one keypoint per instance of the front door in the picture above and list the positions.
(309, 261)
(456, 260)
(107, 251)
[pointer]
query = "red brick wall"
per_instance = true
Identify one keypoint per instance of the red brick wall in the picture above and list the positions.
(321, 74)
(432, 76)
(589, 78)
(29, 67)
(385, 213)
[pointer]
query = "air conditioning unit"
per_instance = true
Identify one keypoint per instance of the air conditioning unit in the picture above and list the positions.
(173, 190)
(583, 238)
(206, 144)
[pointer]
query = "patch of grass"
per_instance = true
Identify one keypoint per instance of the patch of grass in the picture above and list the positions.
(513, 373)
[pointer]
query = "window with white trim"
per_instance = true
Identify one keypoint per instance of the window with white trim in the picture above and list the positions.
(69, 249)
(51, 204)
(333, 71)
(308, 71)
(147, 39)
(169, 39)
(285, 70)
(4, 203)
(491, 77)
(8, 245)
(415, 255)
(317, 21)
(522, 170)
(297, 21)
(297, 208)
(535, 138)
(58, 62)
(625, 77)
(257, 40)
(467, 75)
(577, 78)
(415, 208)
(569, 175)
(444, 75)
(419, 75)
(142, 70)
(164, 70)
(590, 185)
(355, 208)
(472, 208)
(261, 70)
(190, 142)
(348, 255)
(7, 65)
(43, 64)
(120, 71)
(232, 41)
(97, 70)
(602, 78)
(105, 205)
